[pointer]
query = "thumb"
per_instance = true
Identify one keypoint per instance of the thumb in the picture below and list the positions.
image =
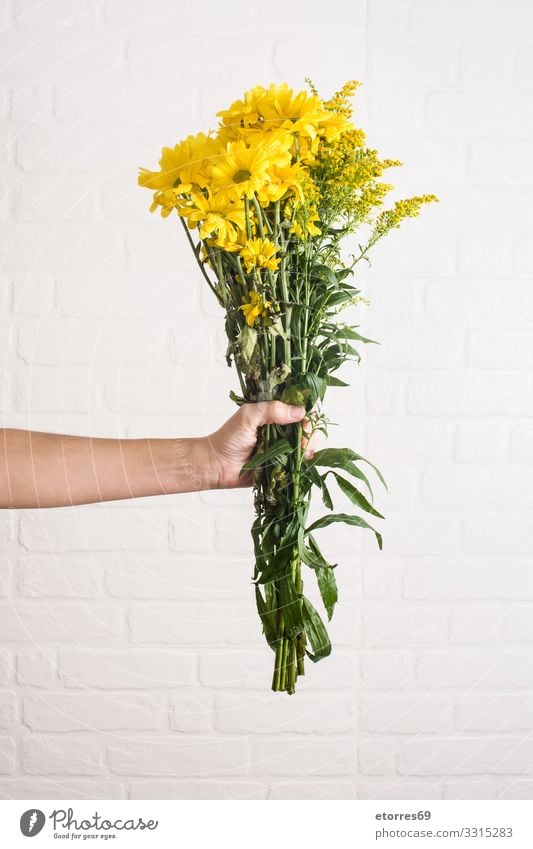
(273, 412)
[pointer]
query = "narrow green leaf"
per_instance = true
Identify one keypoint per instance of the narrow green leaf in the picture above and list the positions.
(328, 588)
(348, 519)
(237, 398)
(313, 545)
(291, 606)
(344, 272)
(278, 567)
(317, 387)
(247, 342)
(315, 631)
(339, 458)
(268, 619)
(348, 350)
(310, 471)
(275, 566)
(308, 556)
(324, 573)
(355, 496)
(324, 272)
(326, 497)
(293, 395)
(356, 456)
(339, 298)
(277, 450)
(319, 480)
(350, 333)
(335, 381)
(333, 457)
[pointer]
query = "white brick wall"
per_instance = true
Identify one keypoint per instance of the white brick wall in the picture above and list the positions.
(132, 663)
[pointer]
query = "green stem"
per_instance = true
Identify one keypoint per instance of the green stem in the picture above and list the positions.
(300, 653)
(247, 214)
(276, 680)
(200, 264)
(243, 387)
(259, 216)
(288, 313)
(262, 218)
(283, 678)
(291, 666)
(240, 270)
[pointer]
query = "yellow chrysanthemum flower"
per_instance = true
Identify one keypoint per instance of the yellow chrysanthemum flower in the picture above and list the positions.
(215, 215)
(242, 170)
(225, 245)
(241, 113)
(260, 253)
(255, 308)
(304, 117)
(182, 168)
(182, 165)
(282, 182)
(300, 113)
(334, 125)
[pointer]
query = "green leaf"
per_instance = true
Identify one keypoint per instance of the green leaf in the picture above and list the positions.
(350, 333)
(268, 619)
(355, 456)
(339, 297)
(275, 566)
(317, 387)
(279, 566)
(335, 381)
(324, 573)
(291, 606)
(273, 452)
(312, 555)
(338, 458)
(344, 272)
(278, 375)
(328, 588)
(326, 497)
(348, 519)
(355, 496)
(313, 545)
(257, 534)
(247, 342)
(237, 398)
(293, 395)
(315, 631)
(319, 481)
(324, 272)
(348, 350)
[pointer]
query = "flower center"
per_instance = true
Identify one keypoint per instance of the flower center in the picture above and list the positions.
(241, 176)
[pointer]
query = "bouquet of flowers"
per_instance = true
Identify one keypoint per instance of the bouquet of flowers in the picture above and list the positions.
(266, 203)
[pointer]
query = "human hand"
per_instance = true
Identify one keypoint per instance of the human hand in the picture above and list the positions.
(232, 444)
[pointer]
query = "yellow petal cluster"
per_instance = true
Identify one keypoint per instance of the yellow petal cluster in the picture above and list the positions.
(260, 253)
(264, 151)
(254, 308)
(282, 166)
(214, 214)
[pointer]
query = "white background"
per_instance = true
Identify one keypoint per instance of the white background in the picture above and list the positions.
(133, 663)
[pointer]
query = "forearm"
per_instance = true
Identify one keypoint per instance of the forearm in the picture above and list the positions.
(54, 470)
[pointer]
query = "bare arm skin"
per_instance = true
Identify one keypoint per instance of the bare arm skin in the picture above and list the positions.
(55, 470)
